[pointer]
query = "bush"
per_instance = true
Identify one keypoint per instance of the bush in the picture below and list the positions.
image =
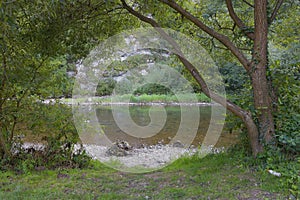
(234, 77)
(55, 154)
(54, 126)
(105, 87)
(152, 88)
(283, 155)
(288, 133)
(274, 159)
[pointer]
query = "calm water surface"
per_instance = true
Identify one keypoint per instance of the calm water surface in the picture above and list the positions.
(140, 115)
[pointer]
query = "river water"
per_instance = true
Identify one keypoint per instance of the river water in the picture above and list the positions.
(140, 116)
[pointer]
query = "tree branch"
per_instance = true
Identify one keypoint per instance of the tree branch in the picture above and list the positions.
(275, 11)
(25, 92)
(238, 111)
(139, 15)
(104, 13)
(216, 46)
(3, 82)
(3, 146)
(244, 115)
(222, 38)
(249, 4)
(238, 21)
(220, 26)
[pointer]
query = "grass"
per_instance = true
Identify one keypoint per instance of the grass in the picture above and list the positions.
(144, 98)
(213, 177)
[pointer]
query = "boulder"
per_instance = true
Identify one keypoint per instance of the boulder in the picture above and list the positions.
(178, 144)
(124, 145)
(120, 148)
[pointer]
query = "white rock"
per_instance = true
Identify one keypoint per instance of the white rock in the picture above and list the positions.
(274, 173)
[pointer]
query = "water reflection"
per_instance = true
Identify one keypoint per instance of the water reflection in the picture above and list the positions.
(140, 115)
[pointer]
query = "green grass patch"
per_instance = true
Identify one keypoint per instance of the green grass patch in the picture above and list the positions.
(155, 98)
(144, 98)
(214, 176)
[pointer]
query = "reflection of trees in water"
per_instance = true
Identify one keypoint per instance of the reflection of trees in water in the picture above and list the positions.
(140, 115)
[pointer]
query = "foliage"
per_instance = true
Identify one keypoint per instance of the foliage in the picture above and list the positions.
(234, 77)
(55, 155)
(105, 87)
(54, 125)
(152, 88)
(157, 98)
(244, 30)
(39, 40)
(283, 155)
(274, 159)
(288, 133)
(285, 73)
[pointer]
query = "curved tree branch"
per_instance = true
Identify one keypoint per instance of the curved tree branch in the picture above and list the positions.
(238, 21)
(180, 55)
(238, 111)
(249, 4)
(222, 38)
(275, 11)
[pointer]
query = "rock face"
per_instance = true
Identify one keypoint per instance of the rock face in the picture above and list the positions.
(120, 148)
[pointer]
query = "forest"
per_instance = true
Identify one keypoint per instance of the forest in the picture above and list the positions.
(241, 55)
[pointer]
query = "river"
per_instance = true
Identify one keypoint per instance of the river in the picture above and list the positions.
(140, 116)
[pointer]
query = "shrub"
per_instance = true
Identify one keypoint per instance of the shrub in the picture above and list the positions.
(54, 126)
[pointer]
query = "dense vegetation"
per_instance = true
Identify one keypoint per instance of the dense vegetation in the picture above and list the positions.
(42, 42)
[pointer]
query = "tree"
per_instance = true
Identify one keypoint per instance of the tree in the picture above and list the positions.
(27, 71)
(36, 38)
(260, 123)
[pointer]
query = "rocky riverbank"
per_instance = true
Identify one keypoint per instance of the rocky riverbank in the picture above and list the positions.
(152, 156)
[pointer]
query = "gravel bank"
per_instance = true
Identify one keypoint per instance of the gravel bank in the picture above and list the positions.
(147, 157)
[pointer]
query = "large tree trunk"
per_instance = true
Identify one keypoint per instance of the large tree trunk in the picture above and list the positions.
(257, 67)
(258, 72)
(246, 116)
(252, 129)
